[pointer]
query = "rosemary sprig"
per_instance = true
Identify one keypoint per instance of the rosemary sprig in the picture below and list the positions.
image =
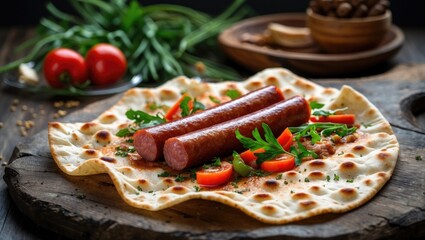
(159, 40)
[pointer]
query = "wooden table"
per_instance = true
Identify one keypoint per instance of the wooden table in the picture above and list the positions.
(18, 109)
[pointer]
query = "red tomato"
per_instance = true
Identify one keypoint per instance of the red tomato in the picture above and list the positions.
(106, 64)
(214, 176)
(343, 118)
(282, 163)
(63, 67)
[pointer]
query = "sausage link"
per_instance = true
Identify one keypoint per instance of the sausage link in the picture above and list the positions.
(198, 147)
(149, 142)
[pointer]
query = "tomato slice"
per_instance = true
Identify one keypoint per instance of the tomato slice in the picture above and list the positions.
(175, 112)
(342, 118)
(281, 163)
(285, 140)
(214, 176)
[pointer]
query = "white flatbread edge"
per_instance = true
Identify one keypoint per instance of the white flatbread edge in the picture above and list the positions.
(338, 184)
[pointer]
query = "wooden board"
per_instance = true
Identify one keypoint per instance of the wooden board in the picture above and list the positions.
(89, 207)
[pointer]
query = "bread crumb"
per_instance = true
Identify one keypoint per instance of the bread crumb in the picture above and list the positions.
(72, 103)
(62, 113)
(12, 108)
(29, 124)
(15, 101)
(19, 123)
(23, 131)
(24, 108)
(58, 104)
(1, 124)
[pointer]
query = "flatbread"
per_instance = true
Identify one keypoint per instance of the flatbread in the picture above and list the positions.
(344, 181)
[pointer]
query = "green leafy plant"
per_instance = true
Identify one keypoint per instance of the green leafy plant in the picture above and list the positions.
(159, 40)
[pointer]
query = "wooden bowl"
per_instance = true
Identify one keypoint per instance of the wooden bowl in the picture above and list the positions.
(311, 60)
(336, 35)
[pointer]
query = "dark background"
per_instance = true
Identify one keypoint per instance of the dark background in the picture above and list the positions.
(406, 13)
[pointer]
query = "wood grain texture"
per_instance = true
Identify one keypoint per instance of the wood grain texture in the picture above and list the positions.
(89, 207)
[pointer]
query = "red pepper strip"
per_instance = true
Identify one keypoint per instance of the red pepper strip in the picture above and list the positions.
(342, 118)
(173, 113)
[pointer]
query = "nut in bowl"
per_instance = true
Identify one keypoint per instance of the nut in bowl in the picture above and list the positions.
(344, 35)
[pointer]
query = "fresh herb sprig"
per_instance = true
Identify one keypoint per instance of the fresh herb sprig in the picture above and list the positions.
(322, 129)
(299, 151)
(158, 40)
(317, 111)
(187, 110)
(124, 151)
(141, 120)
(233, 93)
(269, 144)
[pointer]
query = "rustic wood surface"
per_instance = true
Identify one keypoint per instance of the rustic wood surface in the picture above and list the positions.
(398, 209)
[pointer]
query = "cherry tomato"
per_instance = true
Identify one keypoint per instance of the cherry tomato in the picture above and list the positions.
(214, 176)
(106, 64)
(281, 163)
(63, 67)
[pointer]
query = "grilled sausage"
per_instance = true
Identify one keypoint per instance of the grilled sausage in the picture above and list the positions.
(149, 142)
(197, 147)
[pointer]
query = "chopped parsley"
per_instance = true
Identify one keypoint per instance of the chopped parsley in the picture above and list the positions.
(350, 180)
(214, 99)
(317, 111)
(215, 163)
(279, 176)
(139, 189)
(154, 106)
(258, 173)
(164, 174)
(418, 158)
(328, 178)
(233, 93)
(306, 180)
(336, 177)
(366, 125)
(180, 178)
(141, 120)
(192, 174)
(124, 151)
(197, 188)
